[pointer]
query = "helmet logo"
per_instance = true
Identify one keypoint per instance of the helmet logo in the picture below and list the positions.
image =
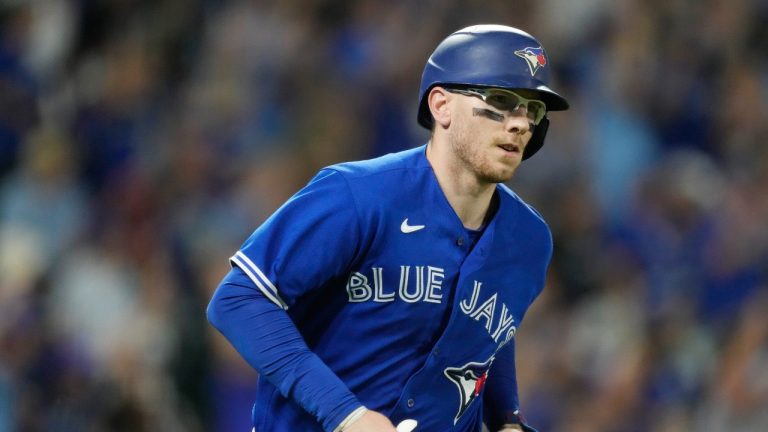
(534, 57)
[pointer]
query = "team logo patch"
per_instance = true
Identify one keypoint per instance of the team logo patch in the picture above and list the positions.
(534, 57)
(470, 380)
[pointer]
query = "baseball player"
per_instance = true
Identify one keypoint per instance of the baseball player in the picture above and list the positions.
(391, 289)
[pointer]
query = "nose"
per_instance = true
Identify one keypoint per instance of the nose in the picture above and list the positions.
(517, 121)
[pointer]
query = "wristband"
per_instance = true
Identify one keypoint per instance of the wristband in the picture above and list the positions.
(354, 415)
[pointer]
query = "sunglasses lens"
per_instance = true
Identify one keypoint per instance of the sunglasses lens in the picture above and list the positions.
(509, 101)
(503, 101)
(536, 110)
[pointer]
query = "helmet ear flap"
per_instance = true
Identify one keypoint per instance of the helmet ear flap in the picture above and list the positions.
(537, 139)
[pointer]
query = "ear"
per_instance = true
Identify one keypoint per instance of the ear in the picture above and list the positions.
(438, 100)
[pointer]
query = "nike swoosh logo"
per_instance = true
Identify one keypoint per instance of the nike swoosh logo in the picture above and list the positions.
(407, 229)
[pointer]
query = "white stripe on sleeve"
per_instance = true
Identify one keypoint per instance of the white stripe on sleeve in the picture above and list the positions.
(258, 278)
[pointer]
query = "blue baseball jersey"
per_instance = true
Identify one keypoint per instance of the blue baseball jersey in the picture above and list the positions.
(393, 294)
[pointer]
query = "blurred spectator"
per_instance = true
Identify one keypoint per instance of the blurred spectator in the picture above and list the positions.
(18, 86)
(42, 209)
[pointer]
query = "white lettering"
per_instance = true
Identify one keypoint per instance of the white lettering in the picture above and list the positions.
(378, 287)
(467, 308)
(435, 277)
(358, 289)
(510, 334)
(486, 311)
(419, 285)
(425, 284)
(505, 321)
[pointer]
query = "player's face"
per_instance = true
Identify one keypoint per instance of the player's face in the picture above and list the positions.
(488, 137)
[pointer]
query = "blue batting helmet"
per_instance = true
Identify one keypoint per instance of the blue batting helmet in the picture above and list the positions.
(491, 56)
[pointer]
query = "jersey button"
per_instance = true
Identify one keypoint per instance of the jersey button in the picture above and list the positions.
(460, 241)
(411, 403)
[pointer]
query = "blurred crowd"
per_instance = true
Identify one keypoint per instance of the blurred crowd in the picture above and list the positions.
(141, 141)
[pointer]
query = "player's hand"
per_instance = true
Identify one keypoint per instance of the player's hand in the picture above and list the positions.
(371, 421)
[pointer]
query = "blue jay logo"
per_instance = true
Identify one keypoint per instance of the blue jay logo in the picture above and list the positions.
(470, 380)
(534, 57)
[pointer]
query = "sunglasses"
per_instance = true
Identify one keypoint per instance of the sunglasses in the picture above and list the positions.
(506, 100)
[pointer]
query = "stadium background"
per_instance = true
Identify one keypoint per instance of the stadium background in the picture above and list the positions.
(141, 141)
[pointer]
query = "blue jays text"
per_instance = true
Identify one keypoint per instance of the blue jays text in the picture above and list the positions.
(427, 287)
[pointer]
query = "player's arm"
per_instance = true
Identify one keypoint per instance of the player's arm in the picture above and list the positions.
(502, 407)
(311, 238)
(263, 333)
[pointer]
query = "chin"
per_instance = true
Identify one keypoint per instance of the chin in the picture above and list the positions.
(499, 176)
(505, 173)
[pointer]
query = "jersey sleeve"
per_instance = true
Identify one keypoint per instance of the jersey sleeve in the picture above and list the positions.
(312, 238)
(500, 398)
(263, 333)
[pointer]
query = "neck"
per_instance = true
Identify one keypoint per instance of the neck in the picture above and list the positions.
(469, 196)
